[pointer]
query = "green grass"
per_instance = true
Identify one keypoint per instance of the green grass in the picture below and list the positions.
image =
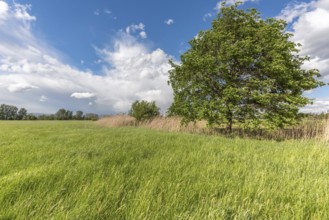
(77, 170)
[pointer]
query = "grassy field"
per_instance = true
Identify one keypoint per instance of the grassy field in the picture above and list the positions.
(78, 170)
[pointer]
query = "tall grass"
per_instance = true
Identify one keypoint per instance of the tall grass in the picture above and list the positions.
(307, 129)
(78, 170)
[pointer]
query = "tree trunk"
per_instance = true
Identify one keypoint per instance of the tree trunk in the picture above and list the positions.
(229, 117)
(229, 125)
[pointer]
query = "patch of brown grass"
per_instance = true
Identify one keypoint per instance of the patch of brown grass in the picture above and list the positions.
(308, 129)
(174, 124)
(326, 131)
(117, 121)
(159, 123)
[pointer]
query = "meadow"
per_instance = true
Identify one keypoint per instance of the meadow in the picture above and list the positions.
(80, 170)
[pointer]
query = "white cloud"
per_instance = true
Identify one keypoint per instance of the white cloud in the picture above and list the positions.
(169, 21)
(43, 98)
(83, 95)
(20, 87)
(33, 75)
(143, 34)
(21, 12)
(208, 15)
(137, 73)
(3, 10)
(107, 11)
(135, 27)
(294, 10)
(320, 105)
(310, 27)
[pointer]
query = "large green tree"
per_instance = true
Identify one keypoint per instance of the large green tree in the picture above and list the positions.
(244, 69)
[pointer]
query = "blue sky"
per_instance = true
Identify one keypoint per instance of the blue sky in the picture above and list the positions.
(100, 56)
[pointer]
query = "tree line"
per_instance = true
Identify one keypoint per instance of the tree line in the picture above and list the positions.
(11, 112)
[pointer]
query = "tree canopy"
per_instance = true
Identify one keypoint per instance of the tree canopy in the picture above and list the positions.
(244, 69)
(144, 110)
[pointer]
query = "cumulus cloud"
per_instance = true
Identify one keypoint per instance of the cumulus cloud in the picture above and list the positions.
(21, 12)
(310, 26)
(20, 87)
(294, 10)
(319, 105)
(137, 28)
(3, 10)
(83, 95)
(169, 21)
(137, 72)
(33, 75)
(43, 98)
(143, 34)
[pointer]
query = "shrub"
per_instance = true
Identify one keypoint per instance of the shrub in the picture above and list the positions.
(144, 110)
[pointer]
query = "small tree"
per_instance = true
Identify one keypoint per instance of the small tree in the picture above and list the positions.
(91, 116)
(8, 112)
(79, 115)
(63, 114)
(21, 114)
(244, 69)
(144, 110)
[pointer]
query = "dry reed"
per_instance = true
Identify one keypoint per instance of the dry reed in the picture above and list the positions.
(116, 121)
(326, 131)
(308, 129)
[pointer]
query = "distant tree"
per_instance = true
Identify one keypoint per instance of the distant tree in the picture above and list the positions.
(243, 70)
(68, 115)
(91, 116)
(144, 110)
(79, 115)
(8, 112)
(63, 114)
(60, 114)
(31, 117)
(51, 117)
(21, 114)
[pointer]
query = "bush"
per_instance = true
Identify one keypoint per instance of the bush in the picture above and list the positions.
(144, 110)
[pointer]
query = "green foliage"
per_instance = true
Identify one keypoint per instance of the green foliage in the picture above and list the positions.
(79, 115)
(144, 110)
(31, 117)
(91, 116)
(10, 112)
(76, 170)
(63, 114)
(243, 70)
(21, 114)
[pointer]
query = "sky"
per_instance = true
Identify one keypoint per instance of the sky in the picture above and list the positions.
(101, 55)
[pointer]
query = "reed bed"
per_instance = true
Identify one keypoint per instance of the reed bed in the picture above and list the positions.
(309, 128)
